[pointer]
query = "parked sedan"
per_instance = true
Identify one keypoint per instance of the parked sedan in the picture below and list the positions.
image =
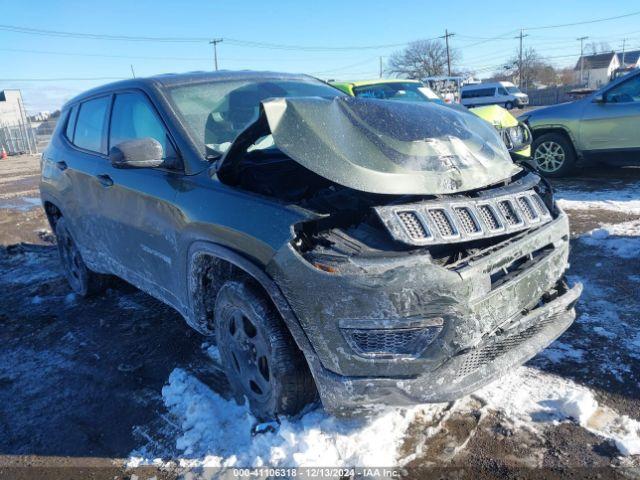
(603, 126)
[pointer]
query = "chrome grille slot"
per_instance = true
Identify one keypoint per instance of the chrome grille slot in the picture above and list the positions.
(413, 225)
(489, 217)
(467, 220)
(527, 208)
(509, 212)
(540, 206)
(442, 222)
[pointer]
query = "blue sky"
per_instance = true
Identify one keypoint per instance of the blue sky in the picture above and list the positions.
(327, 24)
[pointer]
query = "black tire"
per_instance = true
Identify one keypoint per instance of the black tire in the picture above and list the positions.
(259, 356)
(553, 155)
(508, 105)
(83, 281)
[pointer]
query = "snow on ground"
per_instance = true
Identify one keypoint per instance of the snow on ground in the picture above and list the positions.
(625, 199)
(215, 432)
(218, 433)
(531, 399)
(622, 239)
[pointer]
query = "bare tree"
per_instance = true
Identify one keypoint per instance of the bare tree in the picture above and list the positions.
(593, 48)
(422, 58)
(534, 69)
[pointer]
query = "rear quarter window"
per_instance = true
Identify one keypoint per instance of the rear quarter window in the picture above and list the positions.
(90, 125)
(71, 123)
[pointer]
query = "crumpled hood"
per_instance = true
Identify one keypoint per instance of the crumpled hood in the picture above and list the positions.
(385, 147)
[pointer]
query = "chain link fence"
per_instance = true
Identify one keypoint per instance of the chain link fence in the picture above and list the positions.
(28, 137)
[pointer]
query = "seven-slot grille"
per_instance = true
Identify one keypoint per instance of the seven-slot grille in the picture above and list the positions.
(463, 219)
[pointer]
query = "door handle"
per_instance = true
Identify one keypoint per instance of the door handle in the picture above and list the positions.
(105, 180)
(62, 165)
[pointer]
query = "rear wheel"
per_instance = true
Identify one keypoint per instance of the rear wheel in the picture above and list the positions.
(553, 155)
(83, 281)
(260, 359)
(508, 105)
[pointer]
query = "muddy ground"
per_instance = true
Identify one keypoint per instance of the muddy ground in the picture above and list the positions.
(80, 380)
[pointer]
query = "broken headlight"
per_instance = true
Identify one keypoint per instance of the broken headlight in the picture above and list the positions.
(544, 190)
(516, 138)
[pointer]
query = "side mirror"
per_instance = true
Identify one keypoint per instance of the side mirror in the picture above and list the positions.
(599, 98)
(137, 153)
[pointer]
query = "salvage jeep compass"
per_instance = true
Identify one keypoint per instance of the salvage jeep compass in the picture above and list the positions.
(362, 250)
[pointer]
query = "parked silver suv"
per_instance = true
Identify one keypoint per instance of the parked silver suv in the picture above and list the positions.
(601, 127)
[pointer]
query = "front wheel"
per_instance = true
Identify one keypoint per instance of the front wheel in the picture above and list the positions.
(83, 281)
(508, 105)
(259, 356)
(553, 155)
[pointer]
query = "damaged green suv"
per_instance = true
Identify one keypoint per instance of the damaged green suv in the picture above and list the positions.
(361, 250)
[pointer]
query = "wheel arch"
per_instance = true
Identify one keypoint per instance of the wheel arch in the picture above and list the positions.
(230, 264)
(538, 132)
(52, 211)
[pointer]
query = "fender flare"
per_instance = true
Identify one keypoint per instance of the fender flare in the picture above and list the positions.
(215, 250)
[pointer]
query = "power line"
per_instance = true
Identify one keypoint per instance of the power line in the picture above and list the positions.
(101, 36)
(232, 41)
(274, 46)
(585, 22)
(100, 55)
(66, 79)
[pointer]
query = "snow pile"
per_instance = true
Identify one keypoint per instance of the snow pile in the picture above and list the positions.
(531, 398)
(579, 405)
(619, 239)
(212, 352)
(218, 433)
(626, 199)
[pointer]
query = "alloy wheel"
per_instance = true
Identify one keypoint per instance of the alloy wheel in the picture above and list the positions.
(549, 156)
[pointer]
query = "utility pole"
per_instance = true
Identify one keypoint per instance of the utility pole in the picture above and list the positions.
(446, 41)
(581, 40)
(133, 72)
(520, 69)
(215, 43)
(380, 67)
(624, 44)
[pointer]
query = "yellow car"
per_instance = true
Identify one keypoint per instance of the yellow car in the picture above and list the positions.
(515, 134)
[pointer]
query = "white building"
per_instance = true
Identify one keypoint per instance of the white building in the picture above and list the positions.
(12, 108)
(16, 135)
(597, 70)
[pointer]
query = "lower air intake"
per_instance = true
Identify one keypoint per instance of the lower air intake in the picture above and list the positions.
(390, 342)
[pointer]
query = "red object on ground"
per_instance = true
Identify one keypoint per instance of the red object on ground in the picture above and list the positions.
(4, 154)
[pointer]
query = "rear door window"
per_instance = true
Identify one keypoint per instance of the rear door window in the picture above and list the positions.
(133, 117)
(90, 126)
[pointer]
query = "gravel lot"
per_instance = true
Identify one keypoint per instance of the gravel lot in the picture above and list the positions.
(81, 381)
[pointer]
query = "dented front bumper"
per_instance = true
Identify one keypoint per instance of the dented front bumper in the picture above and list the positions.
(447, 312)
(463, 373)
